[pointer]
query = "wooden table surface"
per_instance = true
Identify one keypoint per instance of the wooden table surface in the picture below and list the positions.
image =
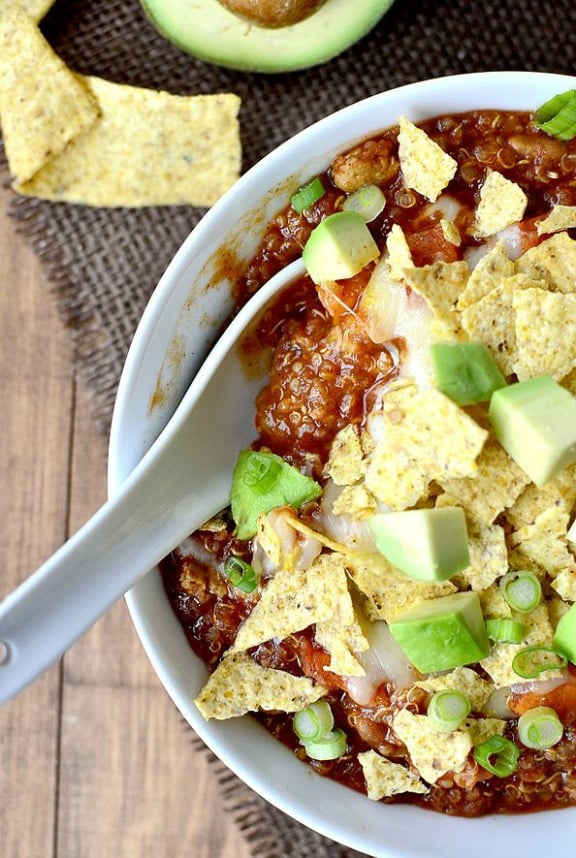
(95, 761)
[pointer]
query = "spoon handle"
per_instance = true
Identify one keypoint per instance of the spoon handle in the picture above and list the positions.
(181, 482)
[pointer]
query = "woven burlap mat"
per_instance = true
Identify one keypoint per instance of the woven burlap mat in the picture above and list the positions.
(104, 264)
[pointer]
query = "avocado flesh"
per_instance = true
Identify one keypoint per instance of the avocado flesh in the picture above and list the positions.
(210, 32)
(535, 421)
(339, 247)
(426, 544)
(564, 640)
(466, 372)
(440, 634)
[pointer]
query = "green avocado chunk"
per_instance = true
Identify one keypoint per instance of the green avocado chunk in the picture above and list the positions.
(339, 247)
(466, 372)
(564, 640)
(263, 481)
(442, 633)
(206, 29)
(535, 421)
(427, 544)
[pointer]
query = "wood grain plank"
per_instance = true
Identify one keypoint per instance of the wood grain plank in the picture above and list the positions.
(131, 784)
(35, 427)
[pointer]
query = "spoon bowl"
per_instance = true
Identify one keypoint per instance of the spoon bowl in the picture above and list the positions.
(181, 482)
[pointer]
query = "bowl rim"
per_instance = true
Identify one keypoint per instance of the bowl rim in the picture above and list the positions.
(385, 831)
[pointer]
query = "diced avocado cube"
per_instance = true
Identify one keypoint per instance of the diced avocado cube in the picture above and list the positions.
(427, 544)
(564, 640)
(263, 481)
(439, 634)
(466, 372)
(339, 247)
(535, 421)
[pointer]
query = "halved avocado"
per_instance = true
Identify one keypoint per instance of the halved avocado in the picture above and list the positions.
(205, 29)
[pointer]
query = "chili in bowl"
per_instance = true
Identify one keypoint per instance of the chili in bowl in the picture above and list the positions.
(390, 592)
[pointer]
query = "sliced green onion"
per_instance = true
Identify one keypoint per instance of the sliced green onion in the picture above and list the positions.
(314, 721)
(497, 755)
(540, 728)
(504, 630)
(534, 660)
(307, 195)
(261, 472)
(327, 747)
(241, 574)
(522, 590)
(447, 710)
(368, 202)
(557, 117)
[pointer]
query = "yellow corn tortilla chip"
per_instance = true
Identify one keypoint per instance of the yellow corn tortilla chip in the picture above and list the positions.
(240, 685)
(480, 729)
(544, 541)
(35, 9)
(387, 591)
(451, 232)
(355, 501)
(502, 203)
(43, 105)
(384, 778)
(490, 320)
(559, 492)
(463, 679)
(553, 262)
(565, 584)
(537, 631)
(147, 149)
(432, 753)
(425, 437)
(345, 462)
(495, 486)
(560, 218)
(295, 599)
(545, 333)
(441, 284)
(489, 272)
(399, 254)
(494, 605)
(425, 166)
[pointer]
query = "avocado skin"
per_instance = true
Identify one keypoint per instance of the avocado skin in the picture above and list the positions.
(208, 31)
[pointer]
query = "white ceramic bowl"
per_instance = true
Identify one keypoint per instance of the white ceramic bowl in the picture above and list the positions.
(188, 306)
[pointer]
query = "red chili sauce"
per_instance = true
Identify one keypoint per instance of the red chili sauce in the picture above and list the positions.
(323, 369)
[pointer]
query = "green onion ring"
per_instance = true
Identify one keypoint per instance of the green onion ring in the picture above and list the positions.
(540, 728)
(497, 755)
(368, 201)
(447, 710)
(504, 630)
(261, 472)
(522, 590)
(557, 117)
(307, 195)
(314, 721)
(330, 746)
(241, 574)
(534, 660)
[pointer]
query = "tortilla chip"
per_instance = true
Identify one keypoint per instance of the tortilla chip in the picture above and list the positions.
(345, 462)
(425, 166)
(553, 262)
(425, 437)
(148, 149)
(560, 218)
(384, 778)
(537, 631)
(35, 9)
(43, 105)
(559, 492)
(494, 605)
(463, 679)
(544, 541)
(399, 254)
(295, 599)
(565, 584)
(355, 501)
(545, 333)
(432, 753)
(491, 269)
(240, 685)
(495, 486)
(441, 284)
(502, 203)
(451, 232)
(481, 729)
(491, 321)
(387, 591)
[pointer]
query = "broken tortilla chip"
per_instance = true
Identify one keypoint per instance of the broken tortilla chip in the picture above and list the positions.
(384, 778)
(35, 9)
(43, 105)
(425, 166)
(545, 333)
(502, 203)
(148, 149)
(560, 218)
(240, 685)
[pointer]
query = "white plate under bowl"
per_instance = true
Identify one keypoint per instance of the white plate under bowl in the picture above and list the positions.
(187, 308)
